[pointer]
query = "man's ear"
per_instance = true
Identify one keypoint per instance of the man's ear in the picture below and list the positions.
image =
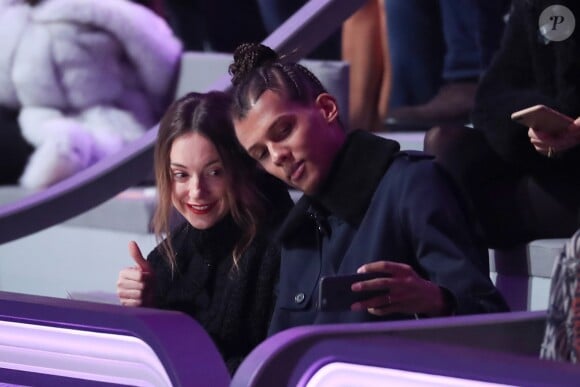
(328, 106)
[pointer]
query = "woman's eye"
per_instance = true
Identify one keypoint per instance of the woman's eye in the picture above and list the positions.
(178, 175)
(215, 172)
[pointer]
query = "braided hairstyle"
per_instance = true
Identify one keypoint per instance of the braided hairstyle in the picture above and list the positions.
(258, 68)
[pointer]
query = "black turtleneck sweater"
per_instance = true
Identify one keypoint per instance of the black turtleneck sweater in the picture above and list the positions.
(234, 305)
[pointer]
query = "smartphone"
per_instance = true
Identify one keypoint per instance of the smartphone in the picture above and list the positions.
(542, 118)
(334, 292)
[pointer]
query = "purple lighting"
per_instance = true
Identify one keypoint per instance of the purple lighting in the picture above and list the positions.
(340, 374)
(104, 357)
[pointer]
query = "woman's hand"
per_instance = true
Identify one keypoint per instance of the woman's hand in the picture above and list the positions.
(405, 291)
(550, 144)
(135, 284)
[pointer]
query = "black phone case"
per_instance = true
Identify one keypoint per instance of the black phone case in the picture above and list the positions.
(334, 293)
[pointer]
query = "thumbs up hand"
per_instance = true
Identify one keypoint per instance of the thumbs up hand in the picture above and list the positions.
(135, 284)
(137, 256)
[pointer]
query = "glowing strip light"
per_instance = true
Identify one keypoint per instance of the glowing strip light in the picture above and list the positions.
(65, 352)
(340, 374)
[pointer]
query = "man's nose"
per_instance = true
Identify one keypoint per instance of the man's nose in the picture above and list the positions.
(278, 153)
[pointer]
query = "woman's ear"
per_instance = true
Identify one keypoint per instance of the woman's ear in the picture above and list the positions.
(328, 106)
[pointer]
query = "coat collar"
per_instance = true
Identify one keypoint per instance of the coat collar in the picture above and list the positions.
(355, 174)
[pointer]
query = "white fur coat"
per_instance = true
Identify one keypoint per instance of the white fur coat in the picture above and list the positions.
(88, 77)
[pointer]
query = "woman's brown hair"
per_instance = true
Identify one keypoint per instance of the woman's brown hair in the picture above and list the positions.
(208, 115)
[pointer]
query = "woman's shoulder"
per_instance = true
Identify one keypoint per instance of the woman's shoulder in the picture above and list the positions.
(178, 238)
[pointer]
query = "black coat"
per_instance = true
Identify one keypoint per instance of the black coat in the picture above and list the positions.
(528, 70)
(234, 305)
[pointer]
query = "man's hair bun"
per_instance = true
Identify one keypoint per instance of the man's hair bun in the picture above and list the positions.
(250, 56)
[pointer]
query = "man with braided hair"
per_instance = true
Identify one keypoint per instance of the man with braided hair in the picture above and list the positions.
(367, 206)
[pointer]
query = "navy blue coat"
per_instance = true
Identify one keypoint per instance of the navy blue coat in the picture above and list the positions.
(381, 204)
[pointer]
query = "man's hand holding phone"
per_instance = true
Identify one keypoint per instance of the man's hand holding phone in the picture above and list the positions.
(335, 292)
(402, 291)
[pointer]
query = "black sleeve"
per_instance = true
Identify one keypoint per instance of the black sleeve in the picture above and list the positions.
(446, 245)
(509, 85)
(163, 277)
(527, 70)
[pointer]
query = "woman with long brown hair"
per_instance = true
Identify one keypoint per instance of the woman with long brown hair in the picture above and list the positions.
(220, 265)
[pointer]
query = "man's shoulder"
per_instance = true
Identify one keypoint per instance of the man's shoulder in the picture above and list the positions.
(409, 161)
(414, 155)
(410, 166)
(415, 175)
